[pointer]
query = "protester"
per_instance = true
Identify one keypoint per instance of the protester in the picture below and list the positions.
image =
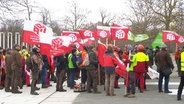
(181, 65)
(141, 60)
(110, 62)
(60, 62)
(92, 76)
(45, 67)
(8, 61)
(37, 62)
(176, 57)
(16, 68)
(72, 65)
(163, 62)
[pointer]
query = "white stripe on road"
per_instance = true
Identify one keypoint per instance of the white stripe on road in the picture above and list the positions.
(156, 83)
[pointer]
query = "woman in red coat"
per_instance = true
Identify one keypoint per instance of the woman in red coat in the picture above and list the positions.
(109, 65)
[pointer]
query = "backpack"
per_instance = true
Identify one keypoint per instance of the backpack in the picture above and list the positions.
(29, 63)
(79, 58)
(86, 60)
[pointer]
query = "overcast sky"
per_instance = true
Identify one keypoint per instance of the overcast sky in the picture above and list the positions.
(58, 8)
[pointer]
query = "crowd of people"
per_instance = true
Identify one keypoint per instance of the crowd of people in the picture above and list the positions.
(20, 67)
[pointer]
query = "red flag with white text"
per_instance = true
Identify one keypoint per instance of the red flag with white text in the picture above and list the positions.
(32, 30)
(169, 36)
(55, 45)
(103, 32)
(119, 33)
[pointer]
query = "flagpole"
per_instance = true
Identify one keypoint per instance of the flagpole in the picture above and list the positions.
(114, 42)
(98, 87)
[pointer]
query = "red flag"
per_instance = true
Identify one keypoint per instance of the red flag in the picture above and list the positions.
(55, 45)
(74, 35)
(87, 33)
(101, 52)
(32, 31)
(115, 25)
(169, 36)
(119, 33)
(103, 32)
(121, 68)
(180, 39)
(88, 41)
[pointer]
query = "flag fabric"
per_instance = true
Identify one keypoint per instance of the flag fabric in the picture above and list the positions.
(119, 33)
(101, 51)
(87, 34)
(74, 35)
(55, 45)
(103, 32)
(131, 36)
(140, 37)
(32, 30)
(88, 41)
(121, 69)
(180, 39)
(157, 41)
(169, 36)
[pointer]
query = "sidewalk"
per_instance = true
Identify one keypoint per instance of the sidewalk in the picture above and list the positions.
(25, 98)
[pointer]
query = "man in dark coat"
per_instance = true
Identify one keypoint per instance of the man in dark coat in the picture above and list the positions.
(16, 68)
(60, 63)
(163, 62)
(37, 62)
(8, 70)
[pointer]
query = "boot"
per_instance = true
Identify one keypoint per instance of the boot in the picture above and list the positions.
(16, 92)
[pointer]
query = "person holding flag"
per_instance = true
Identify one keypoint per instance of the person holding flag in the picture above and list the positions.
(130, 83)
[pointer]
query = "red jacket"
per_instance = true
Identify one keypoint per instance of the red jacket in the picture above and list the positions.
(110, 60)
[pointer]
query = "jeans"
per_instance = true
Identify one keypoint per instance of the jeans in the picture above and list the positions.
(180, 87)
(83, 75)
(166, 83)
(44, 74)
(72, 77)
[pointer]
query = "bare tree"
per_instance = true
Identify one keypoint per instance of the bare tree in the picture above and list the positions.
(165, 10)
(45, 14)
(106, 18)
(18, 7)
(76, 18)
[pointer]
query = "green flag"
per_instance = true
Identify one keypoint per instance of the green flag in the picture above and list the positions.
(130, 36)
(157, 41)
(140, 37)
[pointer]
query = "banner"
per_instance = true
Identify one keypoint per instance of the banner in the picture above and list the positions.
(103, 32)
(55, 45)
(87, 34)
(152, 73)
(119, 33)
(157, 41)
(32, 30)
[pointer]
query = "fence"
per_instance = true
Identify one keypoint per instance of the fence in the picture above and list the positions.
(8, 39)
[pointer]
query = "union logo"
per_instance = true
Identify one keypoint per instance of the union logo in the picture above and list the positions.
(181, 39)
(74, 38)
(39, 28)
(88, 33)
(56, 43)
(120, 34)
(103, 34)
(170, 36)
